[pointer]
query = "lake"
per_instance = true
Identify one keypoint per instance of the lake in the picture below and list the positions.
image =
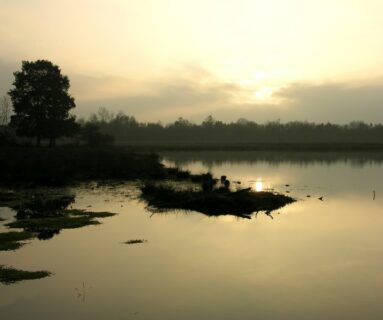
(313, 259)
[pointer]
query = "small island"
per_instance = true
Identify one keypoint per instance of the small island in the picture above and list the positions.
(213, 198)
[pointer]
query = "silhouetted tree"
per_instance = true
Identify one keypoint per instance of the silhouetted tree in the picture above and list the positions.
(90, 133)
(209, 121)
(104, 115)
(41, 102)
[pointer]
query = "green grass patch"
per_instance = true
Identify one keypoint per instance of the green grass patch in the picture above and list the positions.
(10, 275)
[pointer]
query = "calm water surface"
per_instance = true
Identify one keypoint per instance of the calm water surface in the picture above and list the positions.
(311, 260)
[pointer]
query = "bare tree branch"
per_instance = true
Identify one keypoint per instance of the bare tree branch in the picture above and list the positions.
(5, 110)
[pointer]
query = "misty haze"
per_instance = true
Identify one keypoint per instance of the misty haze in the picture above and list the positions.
(174, 159)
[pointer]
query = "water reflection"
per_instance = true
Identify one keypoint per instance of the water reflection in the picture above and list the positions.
(214, 158)
(318, 260)
(286, 175)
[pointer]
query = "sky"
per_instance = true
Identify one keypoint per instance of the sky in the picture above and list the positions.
(306, 60)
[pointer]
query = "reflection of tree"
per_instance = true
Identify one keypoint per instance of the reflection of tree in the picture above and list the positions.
(211, 158)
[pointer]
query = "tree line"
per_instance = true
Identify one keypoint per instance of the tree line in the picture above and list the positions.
(127, 130)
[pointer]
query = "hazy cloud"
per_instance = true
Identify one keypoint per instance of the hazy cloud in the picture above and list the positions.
(335, 102)
(169, 100)
(195, 93)
(338, 103)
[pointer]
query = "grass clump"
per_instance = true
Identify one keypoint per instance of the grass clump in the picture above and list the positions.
(82, 213)
(64, 222)
(44, 214)
(43, 206)
(10, 275)
(11, 240)
(47, 227)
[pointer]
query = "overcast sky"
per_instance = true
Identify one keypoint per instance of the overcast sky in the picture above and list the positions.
(161, 59)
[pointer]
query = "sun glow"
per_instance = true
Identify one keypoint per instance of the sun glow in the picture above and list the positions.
(258, 186)
(263, 93)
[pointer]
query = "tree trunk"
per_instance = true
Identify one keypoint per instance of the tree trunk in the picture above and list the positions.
(38, 141)
(52, 142)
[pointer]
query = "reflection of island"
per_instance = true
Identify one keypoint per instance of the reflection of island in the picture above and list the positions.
(210, 158)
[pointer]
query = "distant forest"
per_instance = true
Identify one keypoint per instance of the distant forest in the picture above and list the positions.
(127, 130)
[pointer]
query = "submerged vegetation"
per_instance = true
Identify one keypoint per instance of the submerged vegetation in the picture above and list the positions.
(10, 275)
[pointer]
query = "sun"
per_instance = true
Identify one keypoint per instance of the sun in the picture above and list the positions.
(263, 93)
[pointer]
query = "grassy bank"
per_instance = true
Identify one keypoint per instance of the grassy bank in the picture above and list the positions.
(62, 165)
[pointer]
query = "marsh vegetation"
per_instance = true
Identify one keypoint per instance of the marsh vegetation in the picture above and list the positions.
(10, 275)
(40, 215)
